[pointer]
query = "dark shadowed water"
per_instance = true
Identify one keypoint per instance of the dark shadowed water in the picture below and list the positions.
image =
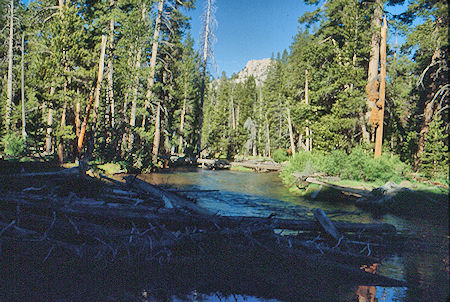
(253, 194)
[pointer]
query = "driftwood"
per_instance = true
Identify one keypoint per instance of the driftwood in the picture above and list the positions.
(327, 225)
(142, 222)
(61, 173)
(259, 166)
(170, 199)
(345, 190)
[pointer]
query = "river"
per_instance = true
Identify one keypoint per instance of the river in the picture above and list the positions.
(238, 193)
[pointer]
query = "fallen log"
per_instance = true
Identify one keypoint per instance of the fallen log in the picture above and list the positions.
(327, 225)
(65, 172)
(170, 199)
(142, 214)
(345, 190)
(258, 166)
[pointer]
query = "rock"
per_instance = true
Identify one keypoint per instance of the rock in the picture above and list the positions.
(256, 68)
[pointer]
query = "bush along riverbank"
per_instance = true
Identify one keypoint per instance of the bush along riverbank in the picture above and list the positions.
(385, 184)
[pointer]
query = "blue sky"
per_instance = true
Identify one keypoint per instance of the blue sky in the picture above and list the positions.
(253, 29)
(249, 29)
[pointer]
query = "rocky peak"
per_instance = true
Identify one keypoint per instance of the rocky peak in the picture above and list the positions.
(256, 68)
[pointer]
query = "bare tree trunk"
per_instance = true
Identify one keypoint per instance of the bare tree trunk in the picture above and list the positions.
(233, 117)
(61, 141)
(48, 136)
(291, 134)
(124, 145)
(183, 113)
(151, 76)
(157, 135)
(206, 41)
(134, 100)
(22, 82)
(380, 104)
(96, 92)
(110, 85)
(307, 131)
(77, 118)
(267, 137)
(10, 71)
(372, 74)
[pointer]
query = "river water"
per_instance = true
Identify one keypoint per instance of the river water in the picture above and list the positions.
(262, 194)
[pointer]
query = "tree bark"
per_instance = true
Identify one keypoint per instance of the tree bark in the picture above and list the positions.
(151, 77)
(204, 65)
(95, 92)
(157, 135)
(48, 136)
(134, 100)
(291, 133)
(380, 103)
(10, 67)
(183, 113)
(110, 85)
(61, 140)
(22, 82)
(372, 74)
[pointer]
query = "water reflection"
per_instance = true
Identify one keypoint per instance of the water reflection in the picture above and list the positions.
(251, 194)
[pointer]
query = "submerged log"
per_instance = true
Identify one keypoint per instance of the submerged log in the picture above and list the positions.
(170, 199)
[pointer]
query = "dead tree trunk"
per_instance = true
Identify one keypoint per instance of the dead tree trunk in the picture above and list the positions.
(155, 45)
(372, 74)
(206, 49)
(183, 113)
(22, 82)
(110, 86)
(48, 136)
(134, 100)
(10, 67)
(95, 92)
(291, 133)
(380, 103)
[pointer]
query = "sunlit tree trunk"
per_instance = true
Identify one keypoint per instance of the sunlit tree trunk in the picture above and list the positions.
(151, 76)
(233, 117)
(183, 113)
(157, 135)
(307, 131)
(267, 137)
(10, 67)
(372, 73)
(96, 92)
(206, 49)
(291, 133)
(48, 136)
(380, 104)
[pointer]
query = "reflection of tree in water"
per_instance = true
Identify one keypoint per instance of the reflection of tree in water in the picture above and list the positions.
(367, 293)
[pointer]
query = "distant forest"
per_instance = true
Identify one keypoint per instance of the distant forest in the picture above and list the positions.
(121, 80)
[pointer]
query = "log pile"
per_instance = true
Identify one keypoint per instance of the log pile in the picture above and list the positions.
(110, 220)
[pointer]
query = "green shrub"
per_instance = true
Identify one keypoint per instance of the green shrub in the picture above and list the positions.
(359, 165)
(13, 144)
(280, 155)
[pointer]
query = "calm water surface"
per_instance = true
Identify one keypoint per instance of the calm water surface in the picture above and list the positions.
(262, 194)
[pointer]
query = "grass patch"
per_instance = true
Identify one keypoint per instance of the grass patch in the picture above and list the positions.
(241, 169)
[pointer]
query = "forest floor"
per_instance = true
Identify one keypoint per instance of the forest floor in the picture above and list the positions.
(66, 235)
